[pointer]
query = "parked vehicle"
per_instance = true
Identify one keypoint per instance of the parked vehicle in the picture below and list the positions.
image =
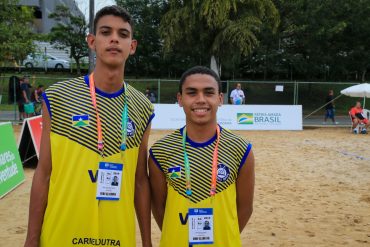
(40, 60)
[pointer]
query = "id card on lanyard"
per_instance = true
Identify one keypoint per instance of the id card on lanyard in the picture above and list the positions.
(200, 223)
(109, 174)
(109, 181)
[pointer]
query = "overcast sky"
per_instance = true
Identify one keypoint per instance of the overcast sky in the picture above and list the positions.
(84, 5)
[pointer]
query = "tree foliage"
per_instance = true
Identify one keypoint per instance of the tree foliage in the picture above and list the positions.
(253, 39)
(70, 33)
(317, 40)
(217, 28)
(16, 38)
(146, 15)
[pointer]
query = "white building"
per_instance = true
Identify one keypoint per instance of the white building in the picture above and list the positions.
(43, 8)
(43, 24)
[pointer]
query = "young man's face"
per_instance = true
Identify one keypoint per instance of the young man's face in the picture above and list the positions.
(200, 99)
(358, 105)
(113, 41)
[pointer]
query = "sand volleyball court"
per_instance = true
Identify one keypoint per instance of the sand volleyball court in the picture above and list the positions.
(312, 189)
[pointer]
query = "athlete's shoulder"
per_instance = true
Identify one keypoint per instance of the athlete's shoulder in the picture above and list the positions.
(66, 84)
(232, 138)
(169, 141)
(64, 88)
(138, 96)
(165, 148)
(141, 103)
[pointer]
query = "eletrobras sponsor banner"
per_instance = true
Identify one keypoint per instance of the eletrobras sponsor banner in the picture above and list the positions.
(11, 170)
(236, 117)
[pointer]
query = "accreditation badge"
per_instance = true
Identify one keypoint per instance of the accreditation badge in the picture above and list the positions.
(109, 181)
(200, 225)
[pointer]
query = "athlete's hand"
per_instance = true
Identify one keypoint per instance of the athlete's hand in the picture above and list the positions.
(147, 245)
(31, 243)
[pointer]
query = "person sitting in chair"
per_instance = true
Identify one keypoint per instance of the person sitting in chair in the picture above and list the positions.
(358, 119)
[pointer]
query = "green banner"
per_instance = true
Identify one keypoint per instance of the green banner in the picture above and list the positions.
(11, 169)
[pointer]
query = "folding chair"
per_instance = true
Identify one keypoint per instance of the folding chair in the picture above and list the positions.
(366, 113)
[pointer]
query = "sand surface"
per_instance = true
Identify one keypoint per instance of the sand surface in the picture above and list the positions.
(312, 189)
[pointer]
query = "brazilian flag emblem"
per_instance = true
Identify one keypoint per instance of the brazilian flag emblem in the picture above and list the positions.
(245, 118)
(174, 172)
(80, 120)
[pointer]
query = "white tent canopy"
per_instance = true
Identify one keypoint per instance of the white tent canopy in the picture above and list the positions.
(360, 90)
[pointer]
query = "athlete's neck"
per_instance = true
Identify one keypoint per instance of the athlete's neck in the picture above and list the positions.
(200, 133)
(109, 80)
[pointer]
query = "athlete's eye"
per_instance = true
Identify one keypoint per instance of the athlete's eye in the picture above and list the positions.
(105, 32)
(191, 93)
(209, 92)
(124, 34)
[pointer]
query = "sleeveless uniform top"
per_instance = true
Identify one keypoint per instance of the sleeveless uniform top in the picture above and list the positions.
(168, 154)
(74, 217)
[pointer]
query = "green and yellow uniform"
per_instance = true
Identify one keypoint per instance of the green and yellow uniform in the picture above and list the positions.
(74, 217)
(168, 155)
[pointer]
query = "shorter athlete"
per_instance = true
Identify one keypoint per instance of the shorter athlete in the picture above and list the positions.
(202, 175)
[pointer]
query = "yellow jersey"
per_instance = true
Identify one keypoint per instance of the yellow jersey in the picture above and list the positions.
(74, 217)
(168, 155)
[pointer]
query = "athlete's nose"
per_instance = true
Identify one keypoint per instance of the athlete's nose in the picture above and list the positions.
(114, 37)
(201, 98)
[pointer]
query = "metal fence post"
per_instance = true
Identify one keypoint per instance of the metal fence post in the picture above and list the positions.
(294, 92)
(297, 95)
(159, 91)
(15, 99)
(227, 92)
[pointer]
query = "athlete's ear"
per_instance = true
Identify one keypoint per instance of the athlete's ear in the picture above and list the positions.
(133, 46)
(90, 39)
(221, 98)
(179, 99)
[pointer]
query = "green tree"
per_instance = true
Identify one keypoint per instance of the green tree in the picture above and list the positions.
(146, 15)
(16, 38)
(217, 28)
(317, 40)
(70, 33)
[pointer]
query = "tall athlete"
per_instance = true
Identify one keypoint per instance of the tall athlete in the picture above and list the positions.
(95, 128)
(202, 175)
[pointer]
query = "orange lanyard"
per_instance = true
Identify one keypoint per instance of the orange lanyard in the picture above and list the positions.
(98, 121)
(124, 120)
(214, 165)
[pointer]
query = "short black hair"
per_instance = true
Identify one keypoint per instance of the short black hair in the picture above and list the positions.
(116, 11)
(199, 70)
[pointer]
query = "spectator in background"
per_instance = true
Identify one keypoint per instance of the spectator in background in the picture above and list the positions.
(329, 107)
(26, 94)
(358, 118)
(150, 95)
(36, 98)
(237, 95)
(15, 94)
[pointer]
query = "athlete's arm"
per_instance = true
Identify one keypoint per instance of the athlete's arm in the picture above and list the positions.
(40, 185)
(245, 191)
(158, 189)
(142, 191)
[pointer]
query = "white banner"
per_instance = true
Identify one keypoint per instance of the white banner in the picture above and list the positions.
(236, 117)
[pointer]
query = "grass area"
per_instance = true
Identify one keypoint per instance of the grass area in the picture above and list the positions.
(310, 96)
